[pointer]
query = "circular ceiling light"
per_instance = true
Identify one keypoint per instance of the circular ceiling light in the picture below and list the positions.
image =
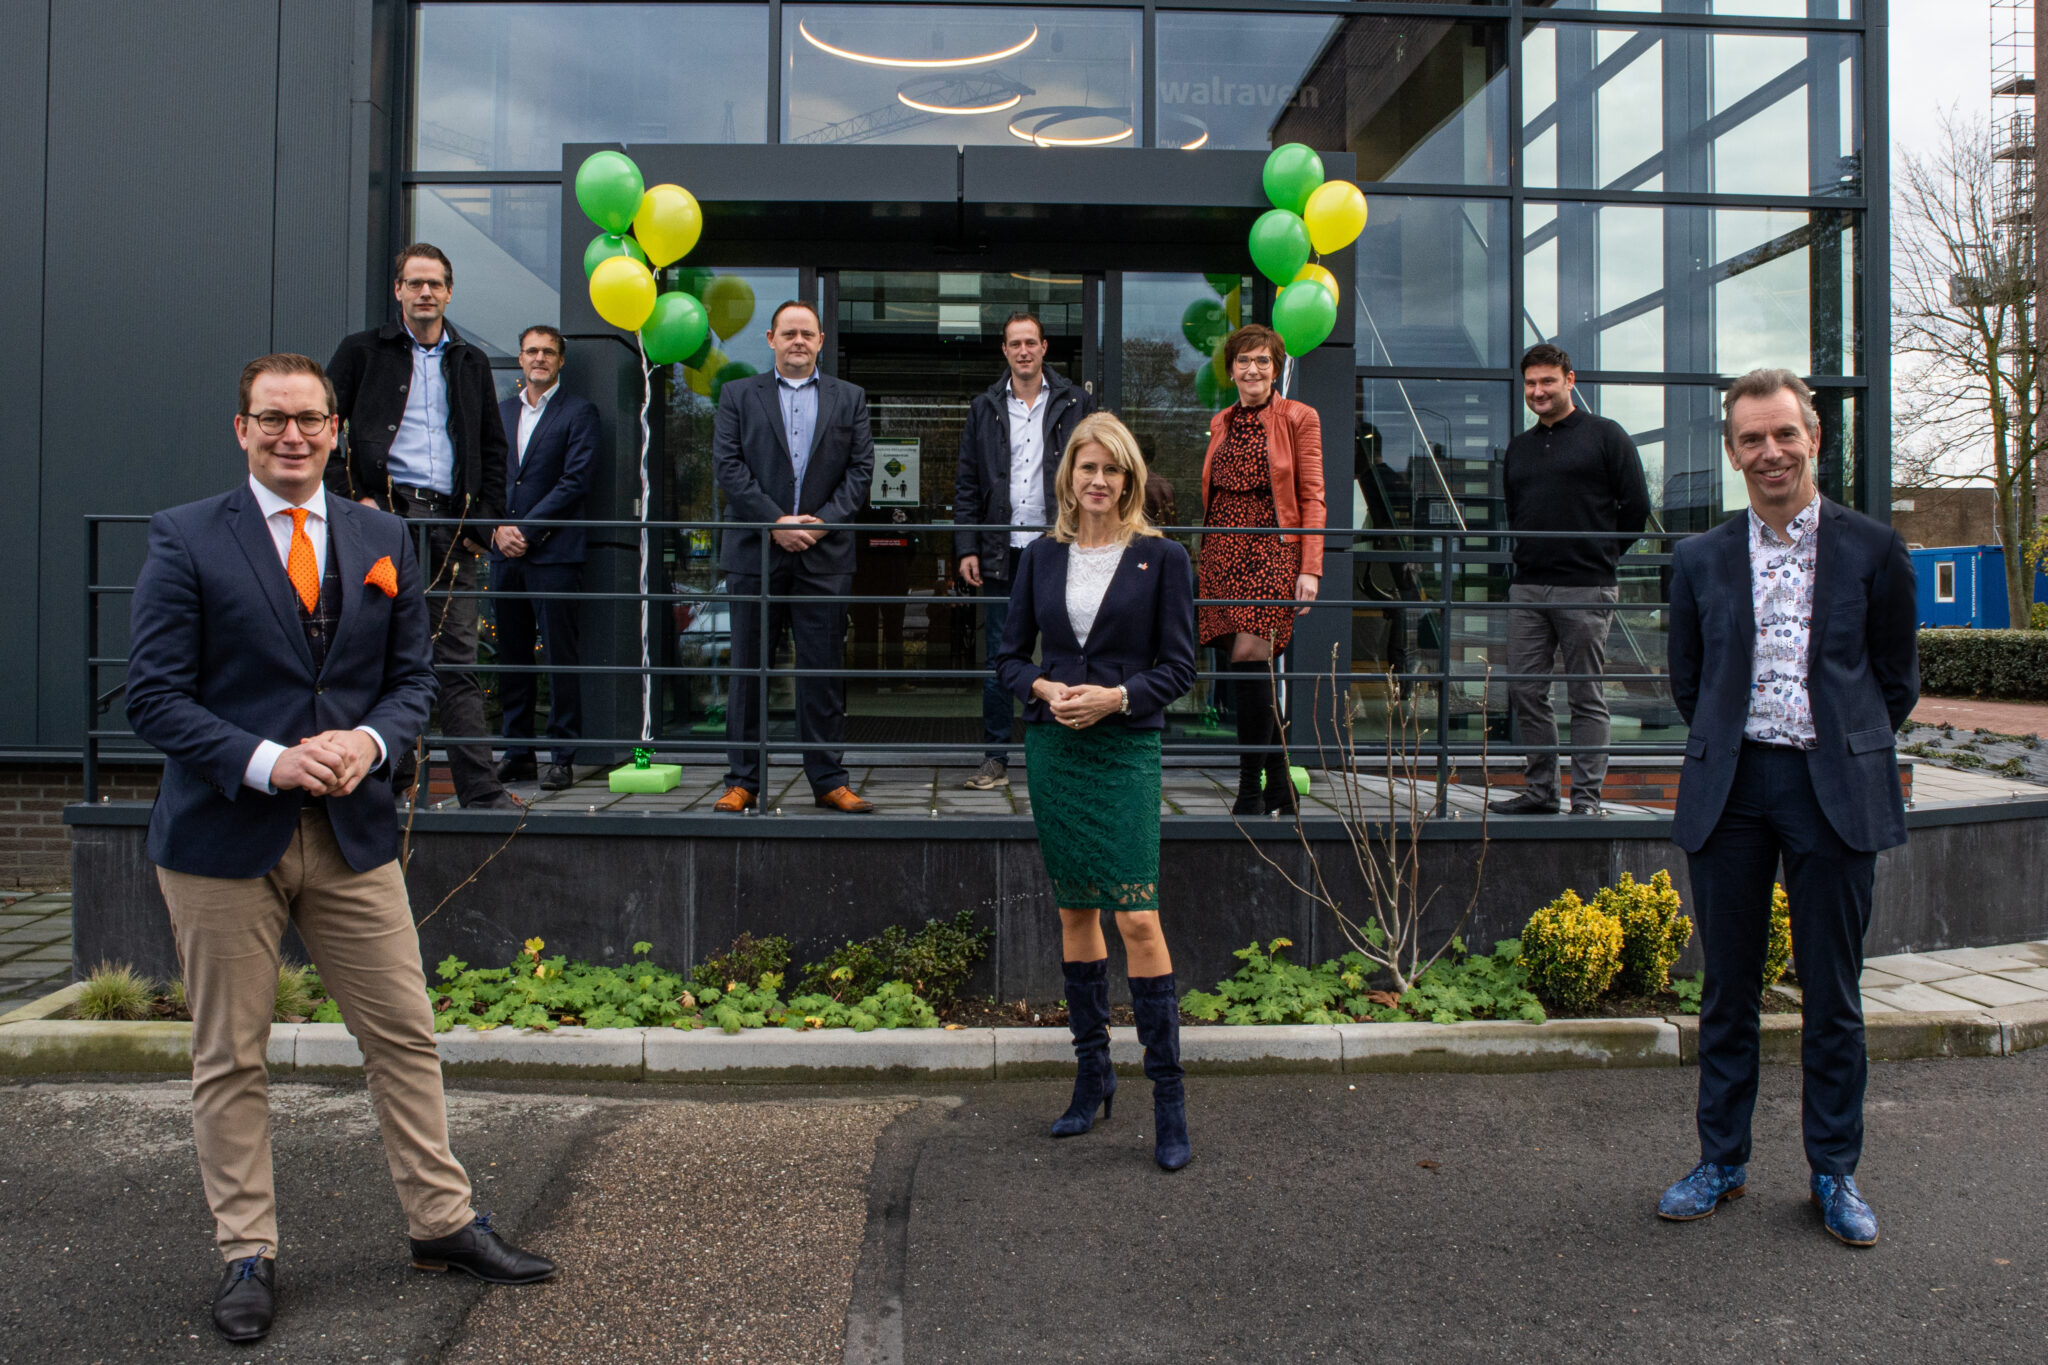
(933, 84)
(1199, 129)
(915, 63)
(1051, 116)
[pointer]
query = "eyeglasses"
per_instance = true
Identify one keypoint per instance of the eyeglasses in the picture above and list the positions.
(1256, 362)
(422, 286)
(272, 422)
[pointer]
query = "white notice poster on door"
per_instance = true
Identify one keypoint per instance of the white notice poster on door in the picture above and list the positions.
(895, 483)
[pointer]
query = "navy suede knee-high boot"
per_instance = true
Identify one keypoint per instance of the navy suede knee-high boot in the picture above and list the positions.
(1088, 1020)
(1157, 1005)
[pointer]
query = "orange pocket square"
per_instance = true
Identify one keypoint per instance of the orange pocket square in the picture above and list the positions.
(383, 575)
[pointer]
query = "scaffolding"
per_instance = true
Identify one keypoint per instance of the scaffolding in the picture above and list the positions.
(2012, 125)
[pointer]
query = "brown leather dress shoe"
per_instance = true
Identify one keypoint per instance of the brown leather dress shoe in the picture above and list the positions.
(842, 799)
(735, 800)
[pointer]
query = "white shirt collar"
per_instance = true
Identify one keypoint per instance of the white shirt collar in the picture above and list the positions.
(272, 504)
(528, 403)
(787, 382)
(1043, 389)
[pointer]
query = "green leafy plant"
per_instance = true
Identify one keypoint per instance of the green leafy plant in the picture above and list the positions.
(1984, 663)
(1269, 989)
(293, 1003)
(2037, 616)
(749, 959)
(1687, 989)
(115, 991)
(1778, 946)
(934, 962)
(1653, 933)
(1572, 951)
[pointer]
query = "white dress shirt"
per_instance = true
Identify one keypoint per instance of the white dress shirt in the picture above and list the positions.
(277, 517)
(421, 452)
(1027, 462)
(530, 413)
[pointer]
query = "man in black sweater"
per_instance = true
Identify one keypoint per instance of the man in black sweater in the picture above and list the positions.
(1572, 471)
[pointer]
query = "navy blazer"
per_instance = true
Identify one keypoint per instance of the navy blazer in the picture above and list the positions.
(1863, 673)
(1143, 637)
(750, 456)
(552, 480)
(220, 662)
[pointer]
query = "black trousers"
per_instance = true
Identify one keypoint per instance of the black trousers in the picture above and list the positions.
(1771, 816)
(819, 632)
(452, 622)
(556, 623)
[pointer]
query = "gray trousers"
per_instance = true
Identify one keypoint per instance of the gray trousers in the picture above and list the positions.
(1580, 638)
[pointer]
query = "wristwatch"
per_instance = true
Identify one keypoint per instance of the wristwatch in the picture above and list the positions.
(1125, 693)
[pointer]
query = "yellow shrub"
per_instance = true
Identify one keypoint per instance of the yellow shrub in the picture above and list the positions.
(1778, 948)
(1572, 951)
(1653, 933)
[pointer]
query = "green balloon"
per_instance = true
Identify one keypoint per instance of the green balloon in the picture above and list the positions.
(1223, 284)
(1280, 245)
(1212, 393)
(737, 369)
(606, 245)
(692, 279)
(695, 359)
(1292, 173)
(1204, 323)
(1304, 314)
(677, 329)
(608, 186)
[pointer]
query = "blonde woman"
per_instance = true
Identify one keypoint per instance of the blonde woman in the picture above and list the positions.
(1108, 605)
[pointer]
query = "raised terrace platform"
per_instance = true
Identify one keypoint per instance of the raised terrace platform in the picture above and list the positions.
(592, 872)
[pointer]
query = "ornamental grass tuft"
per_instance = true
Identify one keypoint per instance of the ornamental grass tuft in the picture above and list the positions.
(1572, 951)
(115, 991)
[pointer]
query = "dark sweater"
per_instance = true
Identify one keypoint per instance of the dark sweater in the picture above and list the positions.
(1581, 474)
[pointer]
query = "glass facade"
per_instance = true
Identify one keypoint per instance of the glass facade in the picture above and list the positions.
(1674, 191)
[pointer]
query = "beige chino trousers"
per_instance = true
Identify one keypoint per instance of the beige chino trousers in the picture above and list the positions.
(358, 927)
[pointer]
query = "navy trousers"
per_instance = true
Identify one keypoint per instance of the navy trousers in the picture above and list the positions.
(1772, 815)
(998, 707)
(818, 630)
(556, 619)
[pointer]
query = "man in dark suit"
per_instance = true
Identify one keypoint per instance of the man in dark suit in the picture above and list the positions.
(420, 413)
(1793, 659)
(547, 470)
(280, 662)
(791, 446)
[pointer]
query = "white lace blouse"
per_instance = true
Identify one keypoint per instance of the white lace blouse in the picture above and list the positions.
(1088, 575)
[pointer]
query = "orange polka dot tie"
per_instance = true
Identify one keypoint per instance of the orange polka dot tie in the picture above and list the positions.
(300, 565)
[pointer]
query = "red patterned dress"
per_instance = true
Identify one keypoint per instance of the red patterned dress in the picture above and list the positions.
(1241, 494)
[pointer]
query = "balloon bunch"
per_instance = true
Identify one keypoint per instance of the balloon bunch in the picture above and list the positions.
(1310, 217)
(1207, 323)
(644, 229)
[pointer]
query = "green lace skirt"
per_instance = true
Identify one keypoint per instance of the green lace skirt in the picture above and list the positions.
(1095, 798)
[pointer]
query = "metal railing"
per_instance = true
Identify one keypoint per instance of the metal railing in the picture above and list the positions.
(1450, 550)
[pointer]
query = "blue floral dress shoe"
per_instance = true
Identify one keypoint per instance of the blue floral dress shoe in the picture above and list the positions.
(1701, 1192)
(1848, 1218)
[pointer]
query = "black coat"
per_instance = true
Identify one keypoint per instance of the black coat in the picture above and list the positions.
(372, 373)
(1863, 673)
(750, 456)
(1143, 637)
(981, 485)
(551, 482)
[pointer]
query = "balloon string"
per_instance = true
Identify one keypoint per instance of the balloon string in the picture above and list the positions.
(646, 654)
(1287, 378)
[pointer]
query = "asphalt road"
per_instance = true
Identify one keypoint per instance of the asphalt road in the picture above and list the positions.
(1305, 1230)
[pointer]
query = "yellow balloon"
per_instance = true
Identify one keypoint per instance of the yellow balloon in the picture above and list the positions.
(622, 291)
(730, 302)
(1217, 363)
(699, 379)
(1335, 215)
(1233, 308)
(668, 223)
(1312, 271)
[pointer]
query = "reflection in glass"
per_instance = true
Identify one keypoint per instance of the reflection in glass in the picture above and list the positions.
(1433, 283)
(503, 86)
(505, 244)
(1685, 110)
(1694, 290)
(1170, 385)
(1743, 9)
(1416, 99)
(974, 77)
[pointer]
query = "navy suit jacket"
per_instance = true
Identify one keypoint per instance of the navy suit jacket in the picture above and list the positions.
(553, 479)
(1143, 637)
(219, 662)
(750, 455)
(1863, 673)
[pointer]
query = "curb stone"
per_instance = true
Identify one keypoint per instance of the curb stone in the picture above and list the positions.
(1493, 1045)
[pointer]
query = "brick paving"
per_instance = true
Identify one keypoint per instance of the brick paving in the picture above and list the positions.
(35, 945)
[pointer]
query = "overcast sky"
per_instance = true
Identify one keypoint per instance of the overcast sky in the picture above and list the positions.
(1941, 59)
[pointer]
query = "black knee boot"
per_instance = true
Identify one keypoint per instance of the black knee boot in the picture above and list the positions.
(1279, 793)
(1088, 1020)
(1157, 1005)
(1254, 692)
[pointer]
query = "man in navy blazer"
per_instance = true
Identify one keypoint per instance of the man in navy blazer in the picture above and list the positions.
(791, 446)
(1793, 658)
(280, 661)
(548, 457)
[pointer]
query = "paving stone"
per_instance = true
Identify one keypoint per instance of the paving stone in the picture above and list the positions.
(1980, 959)
(1915, 967)
(2036, 977)
(19, 970)
(1919, 997)
(1872, 1005)
(1872, 977)
(1991, 990)
(53, 952)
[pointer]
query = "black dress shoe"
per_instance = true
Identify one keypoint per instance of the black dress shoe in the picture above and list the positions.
(501, 800)
(246, 1301)
(558, 777)
(1524, 804)
(519, 767)
(479, 1251)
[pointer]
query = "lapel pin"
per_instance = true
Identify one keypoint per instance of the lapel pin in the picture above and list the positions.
(1142, 564)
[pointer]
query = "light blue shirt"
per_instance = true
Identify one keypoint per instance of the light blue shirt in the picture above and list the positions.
(799, 421)
(421, 453)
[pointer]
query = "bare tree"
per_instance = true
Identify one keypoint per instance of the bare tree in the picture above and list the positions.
(1964, 307)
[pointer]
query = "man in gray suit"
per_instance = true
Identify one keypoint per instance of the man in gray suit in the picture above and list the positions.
(792, 447)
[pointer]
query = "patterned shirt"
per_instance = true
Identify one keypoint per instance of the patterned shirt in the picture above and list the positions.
(1781, 591)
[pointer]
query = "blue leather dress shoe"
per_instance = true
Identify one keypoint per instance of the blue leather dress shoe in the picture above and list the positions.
(1701, 1192)
(1842, 1209)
